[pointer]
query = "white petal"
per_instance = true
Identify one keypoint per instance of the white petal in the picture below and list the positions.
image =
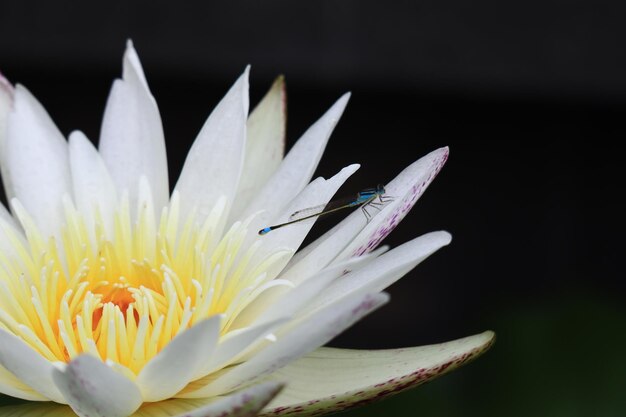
(330, 380)
(214, 162)
(318, 330)
(265, 145)
(318, 192)
(298, 166)
(92, 183)
(93, 389)
(237, 342)
(382, 271)
(169, 371)
(294, 300)
(406, 189)
(354, 235)
(8, 231)
(131, 138)
(10, 385)
(28, 366)
(6, 104)
(37, 162)
(245, 403)
(6, 216)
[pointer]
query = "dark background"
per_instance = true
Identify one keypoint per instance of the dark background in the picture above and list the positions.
(530, 98)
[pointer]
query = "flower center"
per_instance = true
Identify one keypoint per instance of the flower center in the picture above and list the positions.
(117, 294)
(57, 295)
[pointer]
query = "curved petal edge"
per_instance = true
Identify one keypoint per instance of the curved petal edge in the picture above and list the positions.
(329, 380)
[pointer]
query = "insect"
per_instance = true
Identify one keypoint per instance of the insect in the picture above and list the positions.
(363, 199)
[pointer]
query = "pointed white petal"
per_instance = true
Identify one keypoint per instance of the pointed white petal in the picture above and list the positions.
(406, 189)
(289, 303)
(93, 389)
(28, 366)
(265, 145)
(318, 192)
(131, 138)
(310, 334)
(6, 105)
(330, 380)
(10, 385)
(297, 168)
(213, 165)
(237, 342)
(354, 235)
(169, 371)
(37, 162)
(383, 271)
(92, 183)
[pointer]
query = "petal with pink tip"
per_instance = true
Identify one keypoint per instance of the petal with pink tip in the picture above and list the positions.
(405, 189)
(330, 380)
(131, 138)
(92, 389)
(354, 235)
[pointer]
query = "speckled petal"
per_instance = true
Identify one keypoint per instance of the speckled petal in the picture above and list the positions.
(265, 145)
(169, 371)
(354, 235)
(405, 190)
(28, 366)
(292, 343)
(93, 389)
(131, 139)
(297, 168)
(330, 380)
(213, 165)
(37, 162)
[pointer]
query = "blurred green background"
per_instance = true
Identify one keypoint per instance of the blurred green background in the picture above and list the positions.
(550, 359)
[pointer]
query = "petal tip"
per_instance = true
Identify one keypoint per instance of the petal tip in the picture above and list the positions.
(6, 86)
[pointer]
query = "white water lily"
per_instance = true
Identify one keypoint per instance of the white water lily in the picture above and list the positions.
(116, 296)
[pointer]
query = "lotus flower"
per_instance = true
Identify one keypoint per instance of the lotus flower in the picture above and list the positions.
(117, 297)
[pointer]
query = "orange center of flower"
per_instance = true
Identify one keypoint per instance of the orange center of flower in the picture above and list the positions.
(116, 294)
